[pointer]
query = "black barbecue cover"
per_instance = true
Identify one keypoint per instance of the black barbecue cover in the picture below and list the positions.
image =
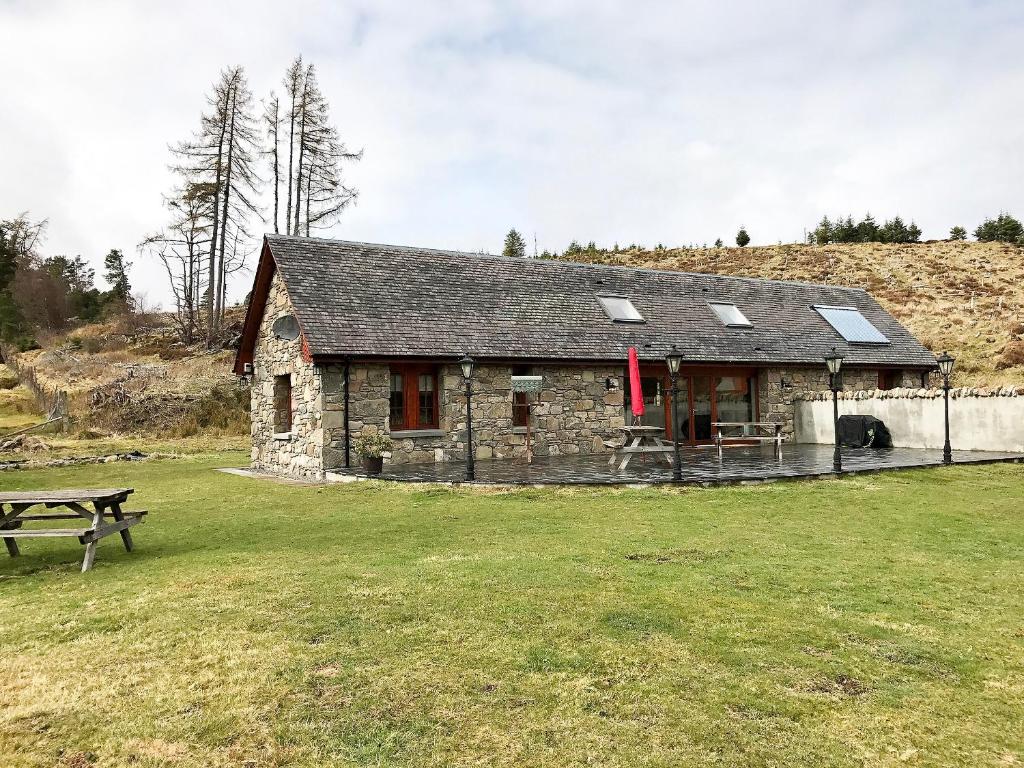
(863, 432)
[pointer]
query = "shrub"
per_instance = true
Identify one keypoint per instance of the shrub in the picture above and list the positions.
(374, 445)
(1011, 355)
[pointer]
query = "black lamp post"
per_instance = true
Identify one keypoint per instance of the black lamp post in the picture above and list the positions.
(674, 359)
(467, 363)
(834, 361)
(945, 363)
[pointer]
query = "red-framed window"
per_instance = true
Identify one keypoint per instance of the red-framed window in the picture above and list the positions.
(520, 405)
(413, 398)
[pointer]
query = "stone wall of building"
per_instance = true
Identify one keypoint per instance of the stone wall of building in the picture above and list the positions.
(299, 451)
(574, 413)
(780, 388)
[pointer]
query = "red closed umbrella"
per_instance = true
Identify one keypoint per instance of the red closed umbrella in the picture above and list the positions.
(636, 393)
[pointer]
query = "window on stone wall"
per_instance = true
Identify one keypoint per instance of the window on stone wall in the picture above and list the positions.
(520, 409)
(414, 397)
(427, 399)
(889, 379)
(283, 403)
(397, 399)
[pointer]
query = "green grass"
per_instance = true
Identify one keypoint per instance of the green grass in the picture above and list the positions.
(868, 621)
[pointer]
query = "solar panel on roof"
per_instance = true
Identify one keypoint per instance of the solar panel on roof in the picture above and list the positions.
(852, 325)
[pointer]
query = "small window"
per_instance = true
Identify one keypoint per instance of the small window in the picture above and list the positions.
(620, 309)
(890, 379)
(283, 403)
(851, 325)
(425, 391)
(520, 405)
(397, 411)
(730, 315)
(413, 398)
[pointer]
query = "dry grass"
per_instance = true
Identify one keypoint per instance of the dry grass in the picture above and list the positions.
(140, 379)
(17, 406)
(958, 296)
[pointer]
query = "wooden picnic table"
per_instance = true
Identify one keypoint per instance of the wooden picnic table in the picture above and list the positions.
(641, 440)
(749, 432)
(68, 505)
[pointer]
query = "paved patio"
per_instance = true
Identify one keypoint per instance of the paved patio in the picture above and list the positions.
(700, 466)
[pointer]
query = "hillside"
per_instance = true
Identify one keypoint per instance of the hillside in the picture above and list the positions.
(131, 375)
(964, 297)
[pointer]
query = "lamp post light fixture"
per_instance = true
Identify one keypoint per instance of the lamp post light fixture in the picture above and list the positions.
(834, 361)
(467, 363)
(673, 359)
(945, 363)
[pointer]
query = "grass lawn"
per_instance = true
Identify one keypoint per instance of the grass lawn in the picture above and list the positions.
(868, 621)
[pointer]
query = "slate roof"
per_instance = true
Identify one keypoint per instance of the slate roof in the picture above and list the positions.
(365, 300)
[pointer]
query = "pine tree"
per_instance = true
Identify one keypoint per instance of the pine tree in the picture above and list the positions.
(515, 246)
(823, 232)
(742, 238)
(958, 233)
(116, 274)
(1004, 228)
(718, 242)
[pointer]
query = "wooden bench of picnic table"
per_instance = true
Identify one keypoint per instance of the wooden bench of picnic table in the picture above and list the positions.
(640, 439)
(106, 502)
(752, 432)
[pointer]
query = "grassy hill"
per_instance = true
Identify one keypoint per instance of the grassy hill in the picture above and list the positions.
(964, 297)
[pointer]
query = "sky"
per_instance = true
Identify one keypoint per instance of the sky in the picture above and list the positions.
(619, 122)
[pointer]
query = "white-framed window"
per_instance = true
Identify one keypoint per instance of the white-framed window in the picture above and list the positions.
(730, 314)
(620, 309)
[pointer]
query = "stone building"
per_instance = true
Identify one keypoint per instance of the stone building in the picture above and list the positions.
(343, 339)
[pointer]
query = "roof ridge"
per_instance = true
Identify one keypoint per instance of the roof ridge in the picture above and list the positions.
(412, 249)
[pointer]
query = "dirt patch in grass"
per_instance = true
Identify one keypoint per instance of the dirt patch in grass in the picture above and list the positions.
(677, 556)
(842, 685)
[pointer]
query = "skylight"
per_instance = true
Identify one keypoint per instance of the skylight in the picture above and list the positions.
(620, 309)
(730, 315)
(852, 325)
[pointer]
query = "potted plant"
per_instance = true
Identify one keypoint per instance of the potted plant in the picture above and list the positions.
(371, 448)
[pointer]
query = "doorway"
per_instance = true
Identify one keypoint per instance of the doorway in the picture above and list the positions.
(705, 397)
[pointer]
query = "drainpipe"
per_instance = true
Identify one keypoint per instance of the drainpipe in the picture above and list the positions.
(348, 448)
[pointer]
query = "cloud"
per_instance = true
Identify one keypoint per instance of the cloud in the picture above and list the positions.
(656, 122)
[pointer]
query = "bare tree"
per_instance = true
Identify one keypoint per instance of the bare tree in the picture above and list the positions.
(221, 158)
(272, 123)
(315, 195)
(181, 247)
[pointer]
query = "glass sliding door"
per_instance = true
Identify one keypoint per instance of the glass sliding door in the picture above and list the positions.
(734, 398)
(655, 398)
(705, 397)
(681, 430)
(702, 409)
